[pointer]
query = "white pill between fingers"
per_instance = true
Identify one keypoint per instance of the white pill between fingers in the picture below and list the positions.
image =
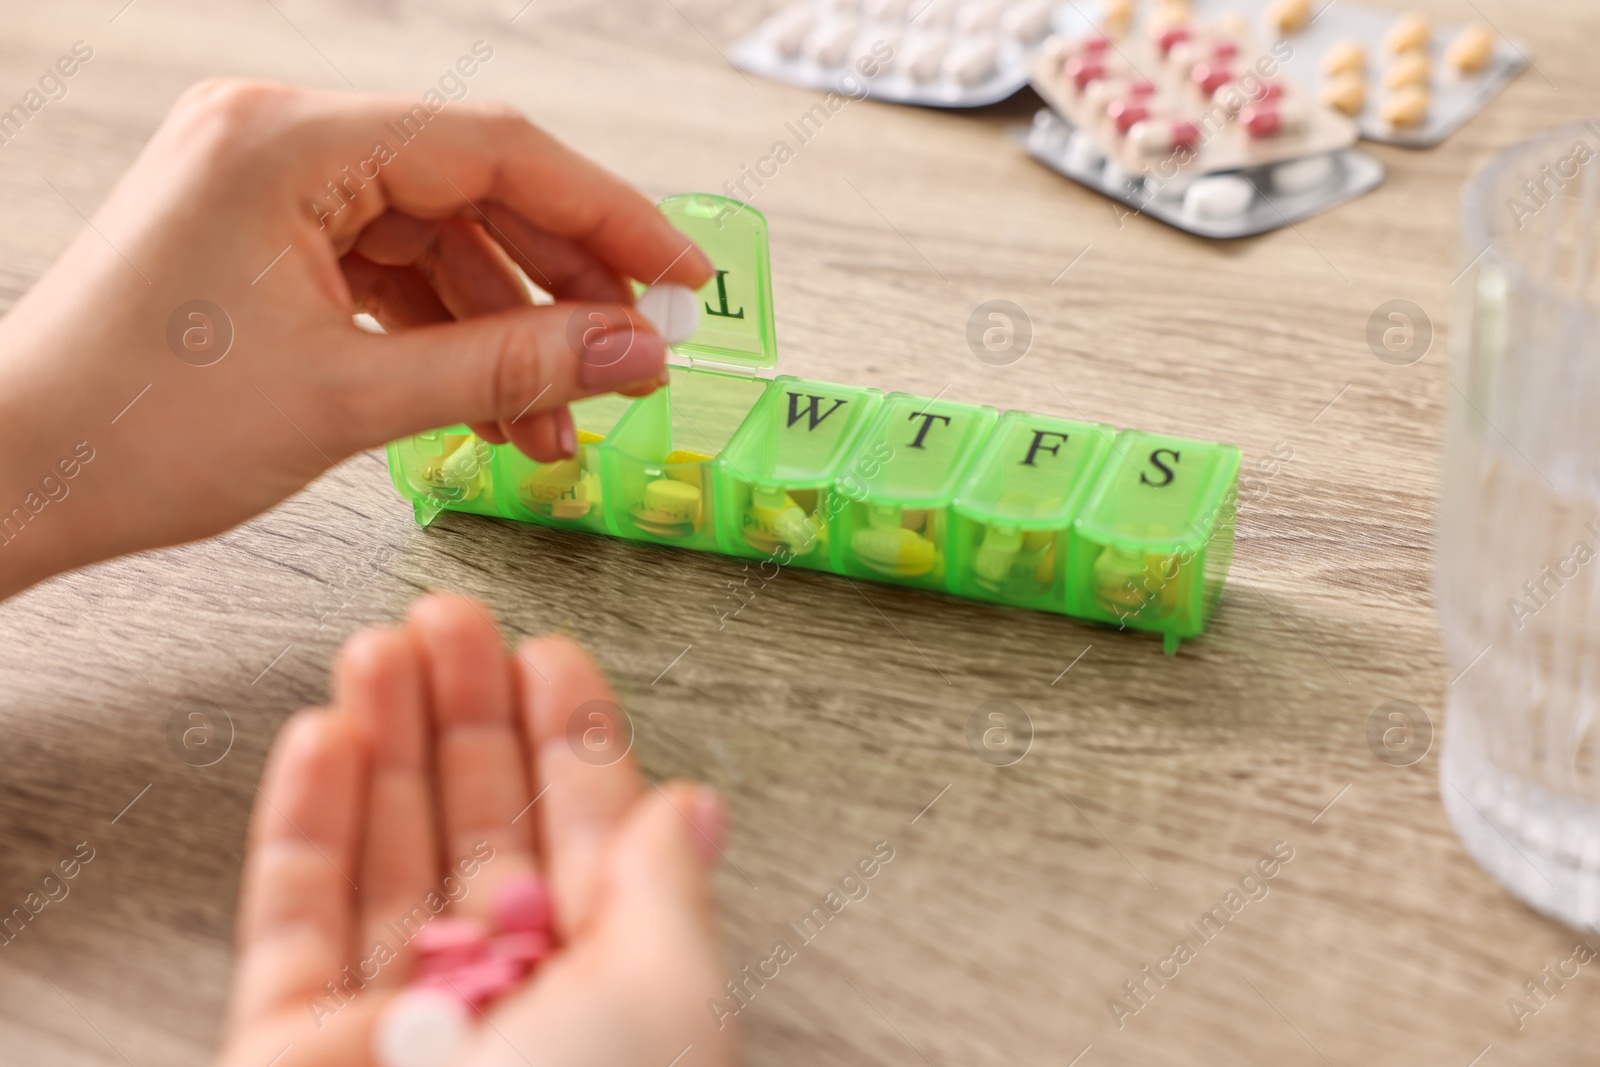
(674, 310)
(1302, 175)
(420, 1028)
(1218, 197)
(972, 63)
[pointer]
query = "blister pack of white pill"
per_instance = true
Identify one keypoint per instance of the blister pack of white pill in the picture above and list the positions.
(1223, 205)
(932, 53)
(1404, 79)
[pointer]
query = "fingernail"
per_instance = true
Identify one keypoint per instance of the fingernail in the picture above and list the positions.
(566, 434)
(710, 824)
(616, 357)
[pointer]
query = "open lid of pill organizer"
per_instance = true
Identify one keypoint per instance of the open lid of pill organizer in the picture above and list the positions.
(736, 323)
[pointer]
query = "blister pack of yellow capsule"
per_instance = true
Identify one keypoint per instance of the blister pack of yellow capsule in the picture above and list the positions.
(1126, 528)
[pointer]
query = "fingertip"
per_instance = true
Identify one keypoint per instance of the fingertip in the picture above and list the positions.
(299, 740)
(490, 432)
(546, 436)
(447, 611)
(364, 656)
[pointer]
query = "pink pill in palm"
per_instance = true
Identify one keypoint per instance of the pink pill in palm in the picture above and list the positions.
(451, 936)
(522, 905)
(529, 948)
(483, 982)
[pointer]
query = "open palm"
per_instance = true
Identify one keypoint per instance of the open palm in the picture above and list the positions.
(442, 771)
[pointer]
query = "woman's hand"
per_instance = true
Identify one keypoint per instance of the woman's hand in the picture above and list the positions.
(443, 755)
(191, 360)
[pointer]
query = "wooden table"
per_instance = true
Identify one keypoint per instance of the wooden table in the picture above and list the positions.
(1020, 898)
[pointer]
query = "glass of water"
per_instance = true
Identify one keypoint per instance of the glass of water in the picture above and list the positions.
(1518, 576)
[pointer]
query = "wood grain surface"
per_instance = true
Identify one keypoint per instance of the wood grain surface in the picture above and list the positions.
(835, 716)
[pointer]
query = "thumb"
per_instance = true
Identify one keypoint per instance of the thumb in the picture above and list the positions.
(496, 368)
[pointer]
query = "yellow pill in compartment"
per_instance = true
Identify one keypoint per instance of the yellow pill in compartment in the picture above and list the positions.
(458, 469)
(775, 519)
(1128, 583)
(896, 551)
(992, 563)
(670, 508)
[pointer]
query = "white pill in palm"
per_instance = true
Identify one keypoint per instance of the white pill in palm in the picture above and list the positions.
(1218, 197)
(421, 1028)
(674, 310)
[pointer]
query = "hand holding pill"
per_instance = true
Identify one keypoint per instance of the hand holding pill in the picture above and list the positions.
(440, 878)
(220, 306)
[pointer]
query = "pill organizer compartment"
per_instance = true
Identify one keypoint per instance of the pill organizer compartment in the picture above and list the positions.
(1154, 541)
(1014, 511)
(444, 470)
(893, 524)
(567, 492)
(775, 481)
(658, 464)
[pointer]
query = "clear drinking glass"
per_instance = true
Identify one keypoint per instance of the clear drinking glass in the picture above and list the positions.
(1518, 576)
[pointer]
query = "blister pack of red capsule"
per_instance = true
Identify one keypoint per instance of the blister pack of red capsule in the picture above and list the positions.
(933, 53)
(1185, 98)
(1192, 122)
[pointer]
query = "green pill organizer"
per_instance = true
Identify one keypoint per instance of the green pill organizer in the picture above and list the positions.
(1126, 528)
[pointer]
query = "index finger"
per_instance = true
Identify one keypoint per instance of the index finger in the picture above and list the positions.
(393, 152)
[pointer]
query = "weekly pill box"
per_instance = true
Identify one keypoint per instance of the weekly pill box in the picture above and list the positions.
(1127, 528)
(933, 53)
(1222, 206)
(1454, 97)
